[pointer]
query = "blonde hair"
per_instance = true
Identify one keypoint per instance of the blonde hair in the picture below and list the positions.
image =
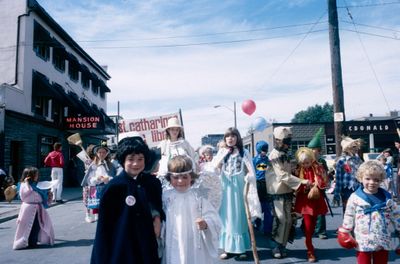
(303, 154)
(371, 167)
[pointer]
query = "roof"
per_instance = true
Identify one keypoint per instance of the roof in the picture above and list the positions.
(39, 10)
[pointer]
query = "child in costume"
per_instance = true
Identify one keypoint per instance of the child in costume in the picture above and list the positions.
(192, 223)
(130, 211)
(372, 215)
(237, 170)
(209, 181)
(316, 146)
(388, 183)
(33, 224)
(280, 186)
(174, 145)
(262, 164)
(346, 169)
(310, 207)
(99, 173)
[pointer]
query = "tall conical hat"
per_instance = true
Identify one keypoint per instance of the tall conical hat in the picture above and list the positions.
(316, 140)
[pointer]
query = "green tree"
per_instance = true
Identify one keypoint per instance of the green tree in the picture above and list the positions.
(315, 114)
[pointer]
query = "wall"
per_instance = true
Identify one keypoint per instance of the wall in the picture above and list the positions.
(9, 12)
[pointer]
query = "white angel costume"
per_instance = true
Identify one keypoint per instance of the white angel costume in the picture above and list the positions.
(184, 242)
(209, 183)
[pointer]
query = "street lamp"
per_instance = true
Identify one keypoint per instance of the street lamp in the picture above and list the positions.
(230, 109)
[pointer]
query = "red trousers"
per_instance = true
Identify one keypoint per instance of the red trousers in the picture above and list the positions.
(309, 226)
(377, 257)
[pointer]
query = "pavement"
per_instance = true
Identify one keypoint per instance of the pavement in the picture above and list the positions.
(10, 210)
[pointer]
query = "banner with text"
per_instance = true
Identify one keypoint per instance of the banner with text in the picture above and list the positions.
(150, 128)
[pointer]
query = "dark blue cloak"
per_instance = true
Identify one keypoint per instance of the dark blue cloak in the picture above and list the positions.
(125, 234)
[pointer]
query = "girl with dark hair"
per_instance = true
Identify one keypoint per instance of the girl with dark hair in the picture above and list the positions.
(99, 173)
(130, 211)
(236, 170)
(33, 223)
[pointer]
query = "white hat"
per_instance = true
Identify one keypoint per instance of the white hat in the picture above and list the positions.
(282, 132)
(133, 134)
(348, 142)
(173, 122)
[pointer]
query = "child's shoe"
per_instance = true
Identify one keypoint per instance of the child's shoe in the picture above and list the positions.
(89, 218)
(311, 257)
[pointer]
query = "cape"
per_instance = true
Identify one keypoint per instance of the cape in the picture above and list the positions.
(125, 232)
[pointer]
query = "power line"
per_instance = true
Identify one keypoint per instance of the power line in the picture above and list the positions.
(296, 47)
(203, 35)
(368, 59)
(208, 43)
(370, 34)
(369, 5)
(194, 44)
(370, 26)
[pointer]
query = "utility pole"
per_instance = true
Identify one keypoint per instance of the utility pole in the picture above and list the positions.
(336, 72)
(234, 113)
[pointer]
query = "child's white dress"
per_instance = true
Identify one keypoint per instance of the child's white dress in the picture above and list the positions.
(184, 242)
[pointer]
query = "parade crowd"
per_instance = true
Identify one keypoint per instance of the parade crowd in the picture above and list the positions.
(174, 205)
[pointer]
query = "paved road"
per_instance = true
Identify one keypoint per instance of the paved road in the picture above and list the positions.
(73, 244)
(74, 240)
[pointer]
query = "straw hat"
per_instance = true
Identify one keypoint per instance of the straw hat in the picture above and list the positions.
(348, 142)
(10, 192)
(282, 132)
(173, 122)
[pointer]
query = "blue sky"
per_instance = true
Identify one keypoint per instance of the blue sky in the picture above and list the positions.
(191, 55)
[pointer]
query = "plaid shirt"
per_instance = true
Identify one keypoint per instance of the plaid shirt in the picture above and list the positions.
(346, 168)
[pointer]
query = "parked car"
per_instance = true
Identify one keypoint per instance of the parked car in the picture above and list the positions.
(370, 156)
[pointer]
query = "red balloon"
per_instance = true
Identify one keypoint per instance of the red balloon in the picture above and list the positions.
(248, 106)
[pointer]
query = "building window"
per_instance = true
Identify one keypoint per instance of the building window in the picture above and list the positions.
(73, 73)
(73, 67)
(46, 146)
(59, 56)
(41, 41)
(85, 82)
(102, 94)
(57, 112)
(41, 106)
(85, 76)
(95, 86)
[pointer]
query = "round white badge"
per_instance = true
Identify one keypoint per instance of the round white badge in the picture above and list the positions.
(130, 200)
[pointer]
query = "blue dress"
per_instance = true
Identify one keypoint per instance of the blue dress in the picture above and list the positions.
(235, 236)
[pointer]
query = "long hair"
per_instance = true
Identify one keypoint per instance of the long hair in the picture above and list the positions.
(232, 131)
(31, 173)
(180, 135)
